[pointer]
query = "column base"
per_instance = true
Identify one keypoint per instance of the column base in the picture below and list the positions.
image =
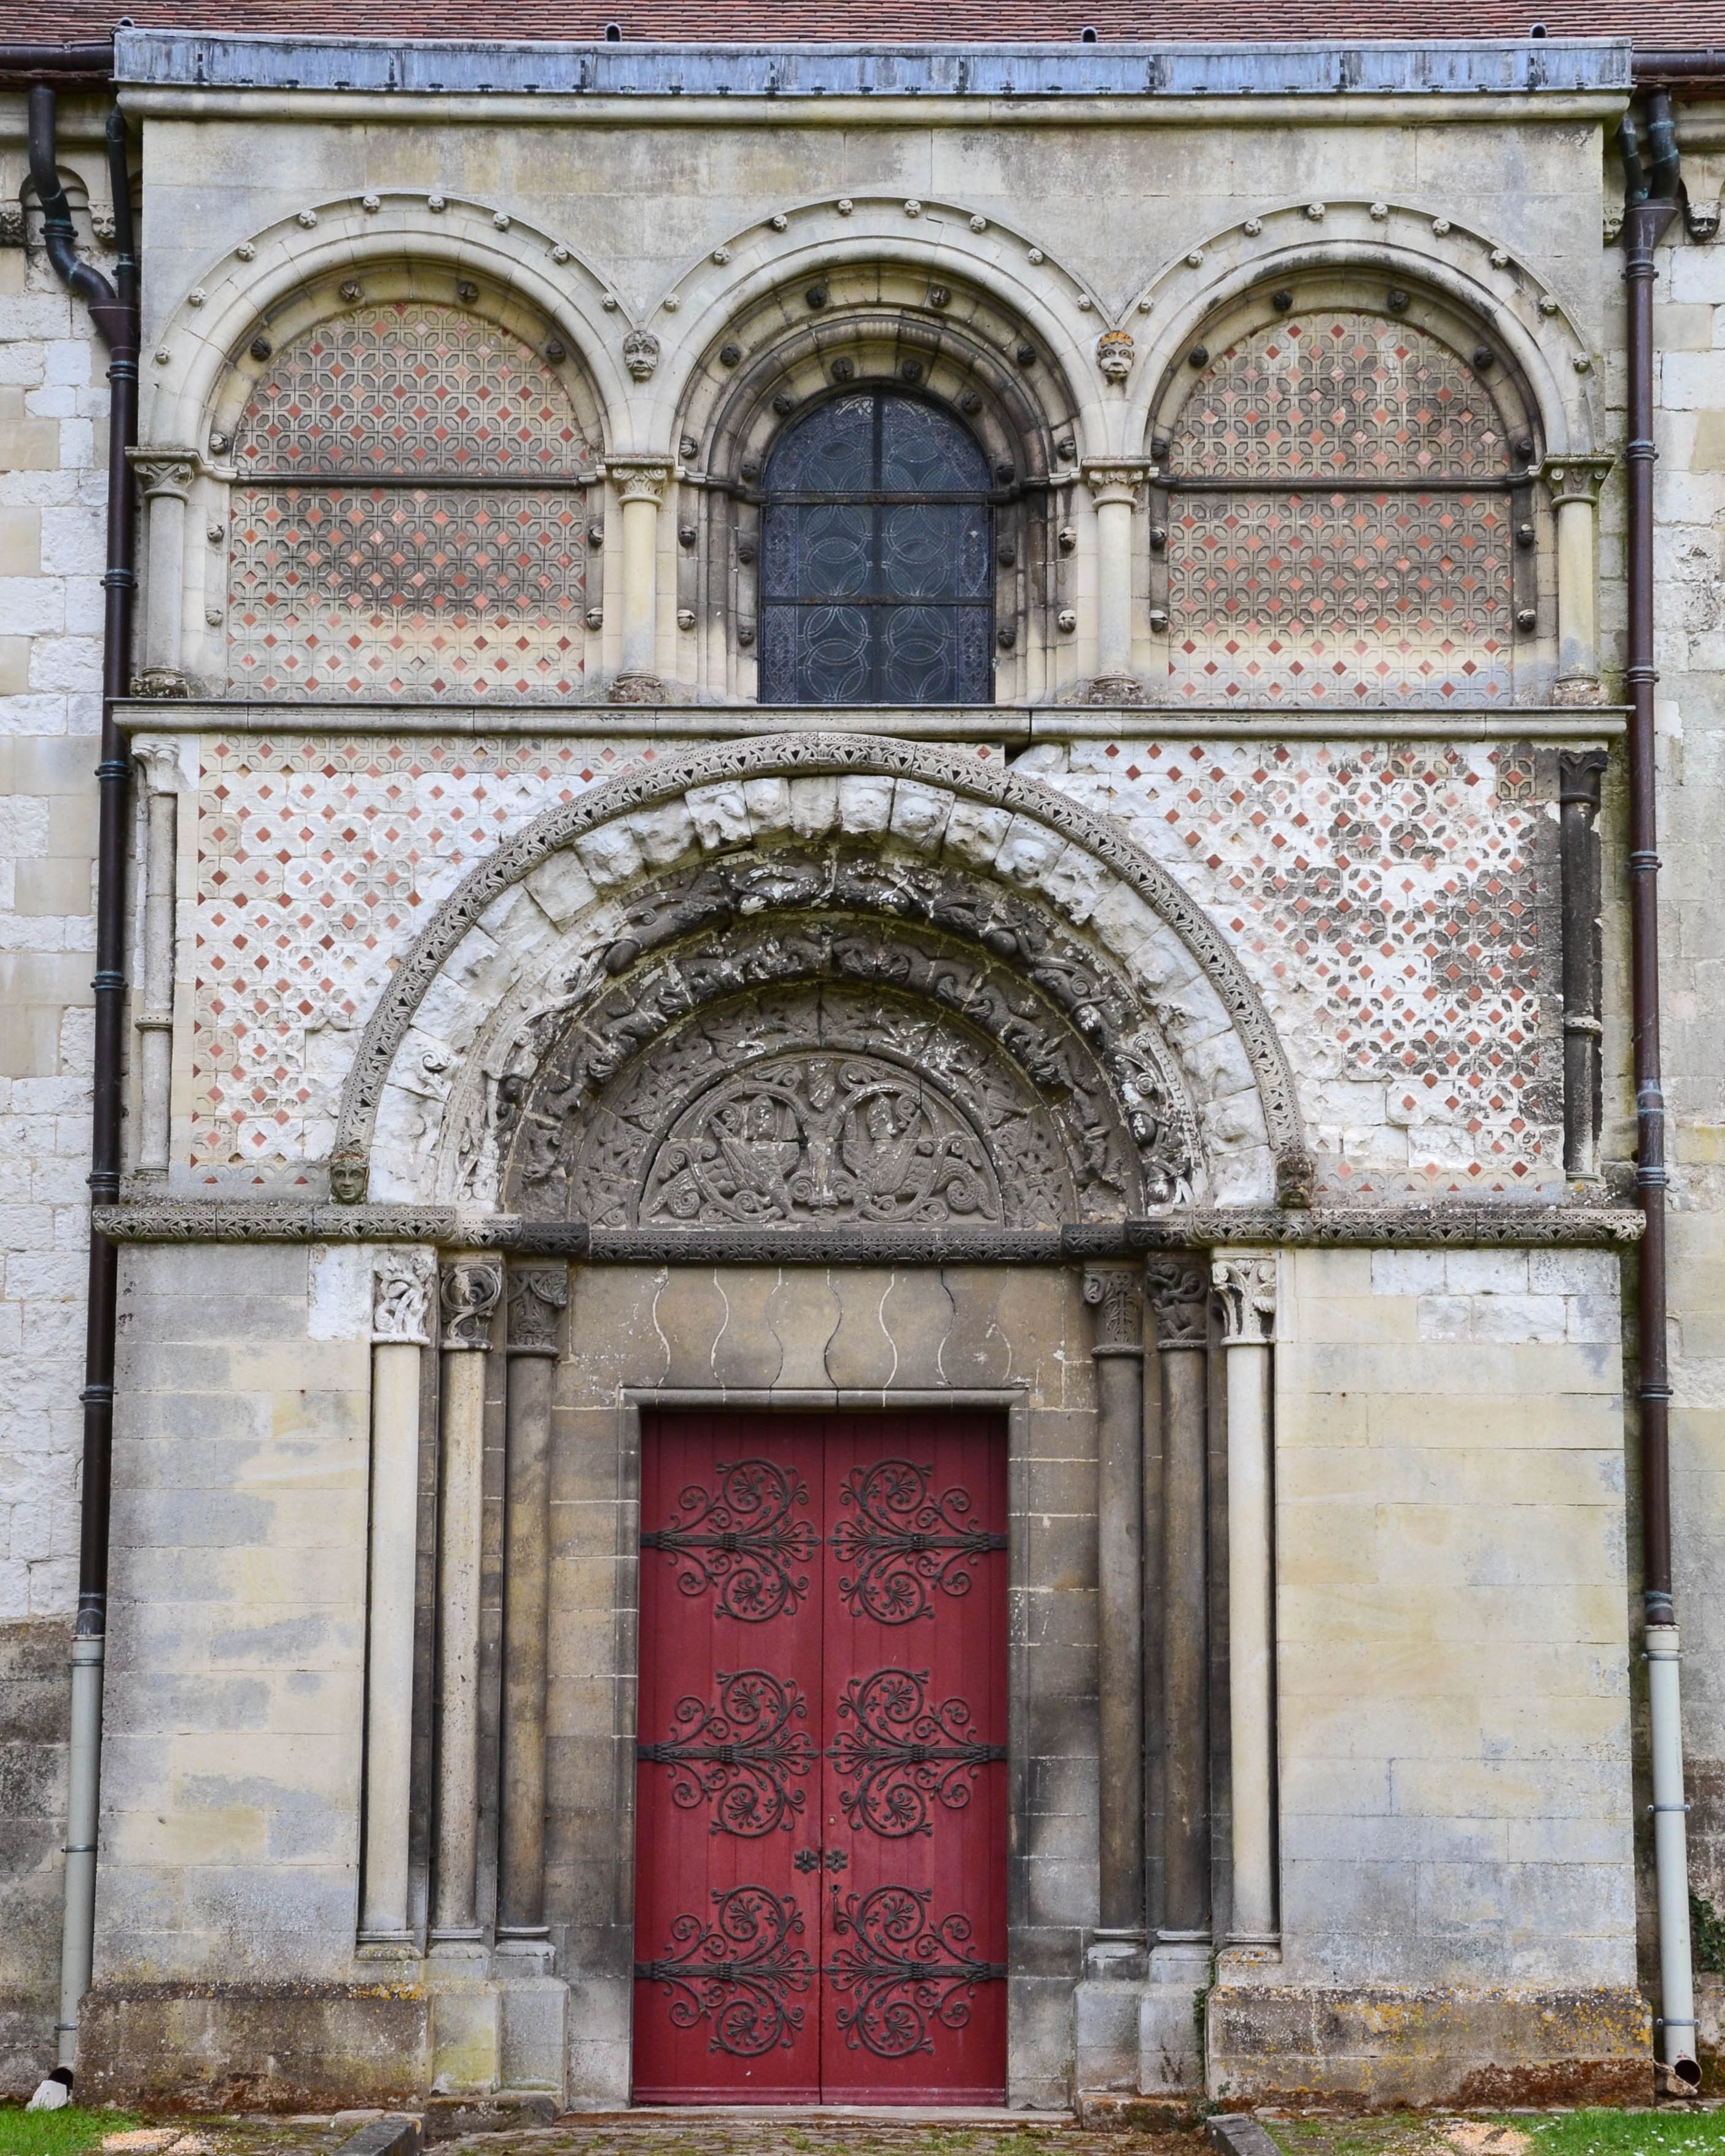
(638, 689)
(1111, 688)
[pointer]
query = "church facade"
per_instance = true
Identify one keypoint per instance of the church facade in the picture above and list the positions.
(876, 1265)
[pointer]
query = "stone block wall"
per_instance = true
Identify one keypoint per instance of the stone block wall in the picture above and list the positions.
(1454, 1737)
(54, 404)
(231, 1753)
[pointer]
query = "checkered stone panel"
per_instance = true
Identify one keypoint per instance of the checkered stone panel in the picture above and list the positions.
(1288, 591)
(1397, 904)
(451, 587)
(396, 592)
(319, 860)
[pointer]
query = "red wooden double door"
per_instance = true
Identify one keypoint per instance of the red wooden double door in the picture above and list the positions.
(820, 1911)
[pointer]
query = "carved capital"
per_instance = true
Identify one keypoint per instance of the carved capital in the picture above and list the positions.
(1580, 773)
(642, 481)
(537, 1295)
(164, 472)
(1115, 1294)
(1575, 479)
(158, 761)
(1116, 480)
(1244, 1281)
(470, 1290)
(1179, 1295)
(401, 1283)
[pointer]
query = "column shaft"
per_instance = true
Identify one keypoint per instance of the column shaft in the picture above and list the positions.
(1249, 1668)
(389, 1651)
(1578, 618)
(1119, 1357)
(469, 1295)
(1114, 586)
(159, 762)
(401, 1298)
(1246, 1284)
(535, 1298)
(1185, 1693)
(641, 520)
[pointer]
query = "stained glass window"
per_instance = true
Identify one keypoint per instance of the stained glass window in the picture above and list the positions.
(405, 525)
(876, 558)
(1339, 526)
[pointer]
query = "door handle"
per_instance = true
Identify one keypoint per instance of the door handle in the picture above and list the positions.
(821, 1860)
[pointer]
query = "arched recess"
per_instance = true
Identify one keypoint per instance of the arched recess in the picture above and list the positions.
(927, 328)
(1344, 507)
(1076, 970)
(278, 286)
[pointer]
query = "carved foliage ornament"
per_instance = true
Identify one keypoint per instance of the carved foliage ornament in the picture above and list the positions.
(1245, 1288)
(402, 1284)
(1114, 1292)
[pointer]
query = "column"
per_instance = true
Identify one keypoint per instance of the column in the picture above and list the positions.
(1115, 1293)
(470, 1290)
(402, 1285)
(159, 774)
(640, 486)
(1580, 774)
(1574, 486)
(1114, 488)
(536, 1297)
(165, 476)
(1244, 1281)
(1178, 1289)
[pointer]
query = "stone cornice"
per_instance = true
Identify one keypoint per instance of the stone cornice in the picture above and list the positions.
(1185, 1227)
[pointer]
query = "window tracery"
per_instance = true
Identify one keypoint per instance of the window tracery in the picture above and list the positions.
(1339, 518)
(408, 521)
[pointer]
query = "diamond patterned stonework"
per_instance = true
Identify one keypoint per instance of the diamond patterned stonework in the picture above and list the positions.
(1390, 902)
(1285, 591)
(318, 861)
(391, 590)
(1393, 906)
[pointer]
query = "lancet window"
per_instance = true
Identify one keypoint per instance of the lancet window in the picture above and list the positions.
(1341, 502)
(408, 521)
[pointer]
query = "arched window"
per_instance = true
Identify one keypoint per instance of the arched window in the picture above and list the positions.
(1341, 521)
(408, 521)
(876, 575)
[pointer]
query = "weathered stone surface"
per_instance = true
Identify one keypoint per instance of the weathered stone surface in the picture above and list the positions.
(1382, 2046)
(264, 2047)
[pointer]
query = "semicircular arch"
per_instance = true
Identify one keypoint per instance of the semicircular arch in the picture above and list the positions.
(533, 922)
(261, 281)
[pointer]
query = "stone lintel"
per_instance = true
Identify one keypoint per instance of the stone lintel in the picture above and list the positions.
(1180, 1227)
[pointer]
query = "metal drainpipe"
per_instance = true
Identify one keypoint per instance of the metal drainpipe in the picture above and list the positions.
(115, 315)
(1650, 202)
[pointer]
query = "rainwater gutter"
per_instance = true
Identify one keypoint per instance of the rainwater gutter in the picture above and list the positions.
(1652, 195)
(116, 314)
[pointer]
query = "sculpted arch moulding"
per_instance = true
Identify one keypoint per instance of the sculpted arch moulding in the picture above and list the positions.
(1469, 269)
(1156, 1065)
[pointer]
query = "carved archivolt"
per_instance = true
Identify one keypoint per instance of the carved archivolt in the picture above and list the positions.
(882, 1039)
(1148, 975)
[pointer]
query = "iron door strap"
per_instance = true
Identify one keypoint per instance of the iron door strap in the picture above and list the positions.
(739, 1754)
(740, 1541)
(903, 1753)
(902, 1543)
